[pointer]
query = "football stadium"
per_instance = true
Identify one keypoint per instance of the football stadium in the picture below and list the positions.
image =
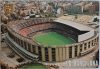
(49, 41)
(34, 66)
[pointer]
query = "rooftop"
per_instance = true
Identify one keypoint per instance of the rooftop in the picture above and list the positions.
(78, 26)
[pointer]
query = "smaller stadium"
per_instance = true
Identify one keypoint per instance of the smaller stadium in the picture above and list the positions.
(34, 66)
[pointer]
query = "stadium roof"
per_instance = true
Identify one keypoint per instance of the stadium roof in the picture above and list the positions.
(78, 26)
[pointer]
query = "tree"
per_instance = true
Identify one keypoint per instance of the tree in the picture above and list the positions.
(76, 16)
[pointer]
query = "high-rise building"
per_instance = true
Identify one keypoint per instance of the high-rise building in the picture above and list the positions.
(91, 9)
(8, 8)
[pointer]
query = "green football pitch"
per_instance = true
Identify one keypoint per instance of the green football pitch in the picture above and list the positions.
(34, 66)
(53, 38)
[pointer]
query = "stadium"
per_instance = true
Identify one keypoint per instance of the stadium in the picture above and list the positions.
(51, 40)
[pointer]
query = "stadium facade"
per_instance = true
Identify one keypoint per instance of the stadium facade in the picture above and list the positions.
(21, 38)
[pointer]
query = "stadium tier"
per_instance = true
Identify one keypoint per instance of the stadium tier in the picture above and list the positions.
(51, 39)
(24, 31)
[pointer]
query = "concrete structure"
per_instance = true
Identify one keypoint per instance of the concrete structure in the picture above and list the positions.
(45, 53)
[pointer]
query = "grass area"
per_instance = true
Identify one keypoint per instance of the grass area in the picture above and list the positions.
(53, 38)
(34, 66)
